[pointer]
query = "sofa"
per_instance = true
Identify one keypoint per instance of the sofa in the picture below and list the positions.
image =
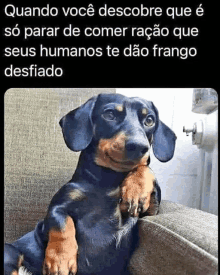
(179, 240)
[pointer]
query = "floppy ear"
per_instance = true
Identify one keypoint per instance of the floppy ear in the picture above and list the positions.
(164, 141)
(77, 126)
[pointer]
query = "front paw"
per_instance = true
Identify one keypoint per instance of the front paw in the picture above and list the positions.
(60, 258)
(136, 190)
(61, 251)
(133, 202)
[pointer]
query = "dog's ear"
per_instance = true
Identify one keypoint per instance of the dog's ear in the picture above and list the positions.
(164, 141)
(77, 126)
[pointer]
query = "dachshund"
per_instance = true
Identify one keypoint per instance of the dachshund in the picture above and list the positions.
(91, 222)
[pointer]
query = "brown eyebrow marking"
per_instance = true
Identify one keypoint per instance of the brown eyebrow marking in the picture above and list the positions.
(144, 111)
(119, 108)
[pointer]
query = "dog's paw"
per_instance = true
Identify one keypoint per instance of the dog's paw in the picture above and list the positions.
(136, 190)
(61, 252)
(60, 258)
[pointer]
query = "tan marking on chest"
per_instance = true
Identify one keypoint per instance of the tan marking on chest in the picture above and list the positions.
(77, 195)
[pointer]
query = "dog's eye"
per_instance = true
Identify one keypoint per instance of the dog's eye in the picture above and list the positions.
(149, 121)
(109, 115)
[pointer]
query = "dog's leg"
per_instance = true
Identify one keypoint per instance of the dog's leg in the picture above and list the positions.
(61, 251)
(138, 192)
(13, 260)
(155, 199)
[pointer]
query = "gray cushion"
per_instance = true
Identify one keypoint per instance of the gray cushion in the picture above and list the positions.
(179, 240)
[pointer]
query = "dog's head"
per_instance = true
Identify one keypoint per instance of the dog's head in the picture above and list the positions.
(122, 130)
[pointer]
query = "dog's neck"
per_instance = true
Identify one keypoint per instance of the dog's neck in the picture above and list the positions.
(88, 171)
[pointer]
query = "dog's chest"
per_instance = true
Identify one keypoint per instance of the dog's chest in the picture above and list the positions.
(103, 236)
(99, 219)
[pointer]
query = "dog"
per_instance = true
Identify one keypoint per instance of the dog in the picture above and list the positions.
(91, 222)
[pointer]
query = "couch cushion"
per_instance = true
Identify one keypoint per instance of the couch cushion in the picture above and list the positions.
(179, 240)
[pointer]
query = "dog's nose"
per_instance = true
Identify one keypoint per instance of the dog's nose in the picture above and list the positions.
(136, 149)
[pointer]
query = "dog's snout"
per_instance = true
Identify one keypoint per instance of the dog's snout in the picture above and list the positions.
(136, 149)
(134, 146)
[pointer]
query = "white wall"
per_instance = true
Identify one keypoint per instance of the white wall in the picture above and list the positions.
(177, 178)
